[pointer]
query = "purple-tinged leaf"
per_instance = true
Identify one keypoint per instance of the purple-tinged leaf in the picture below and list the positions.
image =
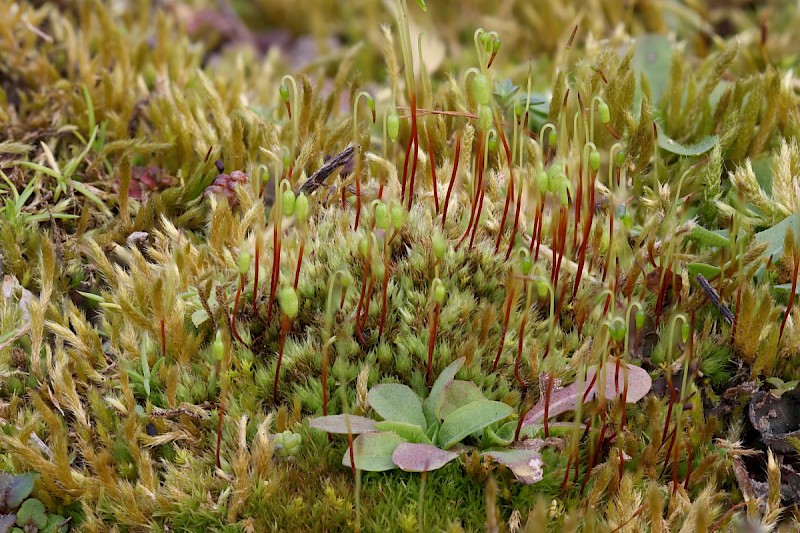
(7, 522)
(433, 402)
(14, 489)
(393, 401)
(525, 463)
(412, 457)
(373, 451)
(338, 424)
(566, 399)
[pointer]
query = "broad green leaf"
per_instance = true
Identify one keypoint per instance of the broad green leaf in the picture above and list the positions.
(393, 401)
(339, 424)
(652, 60)
(469, 419)
(409, 432)
(674, 147)
(786, 287)
(775, 236)
(432, 403)
(373, 451)
(458, 394)
(421, 457)
(711, 238)
(707, 271)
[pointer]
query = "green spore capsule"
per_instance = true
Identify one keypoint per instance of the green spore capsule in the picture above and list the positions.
(617, 331)
(526, 265)
(302, 208)
(382, 217)
(484, 117)
(363, 246)
(287, 298)
(283, 90)
(541, 289)
(620, 158)
(685, 331)
(288, 201)
(603, 112)
(438, 245)
(640, 316)
(393, 126)
(594, 160)
(493, 144)
(398, 217)
(542, 181)
(244, 262)
(218, 347)
(439, 293)
(480, 89)
(551, 137)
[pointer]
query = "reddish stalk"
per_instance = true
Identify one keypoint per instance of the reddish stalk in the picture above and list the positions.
(519, 353)
(584, 240)
(452, 179)
(728, 513)
(515, 227)
(367, 301)
(255, 275)
(477, 218)
(432, 341)
(578, 199)
(385, 290)
(413, 168)
(358, 197)
(791, 295)
(281, 342)
(478, 175)
(434, 181)
(539, 231)
(509, 301)
(509, 189)
(299, 263)
(690, 459)
(276, 260)
(598, 448)
(325, 382)
(610, 243)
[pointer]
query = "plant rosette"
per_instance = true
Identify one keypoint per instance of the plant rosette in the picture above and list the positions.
(423, 435)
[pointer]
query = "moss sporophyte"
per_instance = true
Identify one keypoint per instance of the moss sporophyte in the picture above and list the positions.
(591, 236)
